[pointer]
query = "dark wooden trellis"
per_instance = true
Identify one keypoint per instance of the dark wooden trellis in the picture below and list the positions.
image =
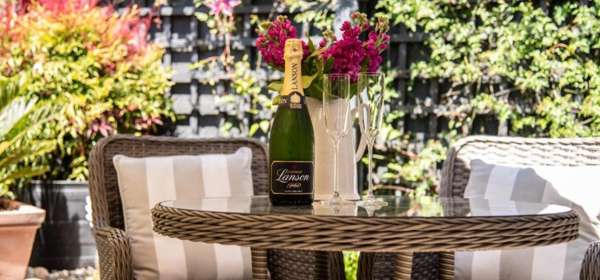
(186, 40)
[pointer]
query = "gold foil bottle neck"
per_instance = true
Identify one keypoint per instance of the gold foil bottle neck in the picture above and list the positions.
(293, 49)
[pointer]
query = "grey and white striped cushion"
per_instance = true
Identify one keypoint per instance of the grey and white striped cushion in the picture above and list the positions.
(576, 187)
(143, 182)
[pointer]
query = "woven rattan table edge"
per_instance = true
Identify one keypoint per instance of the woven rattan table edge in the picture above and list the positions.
(254, 231)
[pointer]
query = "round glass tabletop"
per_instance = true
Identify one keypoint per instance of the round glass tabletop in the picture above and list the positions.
(396, 207)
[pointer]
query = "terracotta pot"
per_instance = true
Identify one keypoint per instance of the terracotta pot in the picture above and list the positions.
(17, 231)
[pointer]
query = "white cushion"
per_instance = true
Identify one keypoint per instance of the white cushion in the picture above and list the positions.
(576, 187)
(143, 182)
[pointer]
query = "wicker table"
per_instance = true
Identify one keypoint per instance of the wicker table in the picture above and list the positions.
(404, 226)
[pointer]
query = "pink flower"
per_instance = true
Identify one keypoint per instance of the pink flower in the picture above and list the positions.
(347, 53)
(271, 42)
(323, 43)
(374, 46)
(218, 7)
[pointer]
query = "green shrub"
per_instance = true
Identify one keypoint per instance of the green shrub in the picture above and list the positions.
(535, 68)
(20, 146)
(96, 59)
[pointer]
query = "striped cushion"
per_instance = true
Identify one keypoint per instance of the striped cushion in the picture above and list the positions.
(575, 187)
(143, 182)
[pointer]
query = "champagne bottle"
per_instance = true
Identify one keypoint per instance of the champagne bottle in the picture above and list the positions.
(291, 142)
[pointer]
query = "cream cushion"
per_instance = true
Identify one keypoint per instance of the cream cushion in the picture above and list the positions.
(143, 182)
(572, 186)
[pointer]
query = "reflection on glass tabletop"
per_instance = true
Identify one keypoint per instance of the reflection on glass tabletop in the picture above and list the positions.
(396, 207)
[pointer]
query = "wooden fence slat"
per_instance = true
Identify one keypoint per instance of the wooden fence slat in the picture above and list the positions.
(186, 40)
(434, 100)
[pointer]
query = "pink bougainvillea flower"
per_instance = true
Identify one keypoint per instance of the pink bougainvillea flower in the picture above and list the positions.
(218, 7)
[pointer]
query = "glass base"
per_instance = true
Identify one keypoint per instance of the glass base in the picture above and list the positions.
(371, 202)
(333, 201)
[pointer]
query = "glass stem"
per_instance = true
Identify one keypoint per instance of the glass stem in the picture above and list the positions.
(370, 172)
(336, 145)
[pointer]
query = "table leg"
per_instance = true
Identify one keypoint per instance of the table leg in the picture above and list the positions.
(447, 265)
(259, 264)
(403, 265)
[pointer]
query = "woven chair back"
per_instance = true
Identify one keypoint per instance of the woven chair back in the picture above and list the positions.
(104, 189)
(513, 151)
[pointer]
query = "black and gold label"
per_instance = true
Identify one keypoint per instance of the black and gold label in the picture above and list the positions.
(292, 177)
(294, 100)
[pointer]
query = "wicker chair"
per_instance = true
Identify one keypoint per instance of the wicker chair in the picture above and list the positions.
(498, 150)
(522, 151)
(111, 238)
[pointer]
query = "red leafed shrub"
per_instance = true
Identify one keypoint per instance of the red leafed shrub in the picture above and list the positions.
(98, 59)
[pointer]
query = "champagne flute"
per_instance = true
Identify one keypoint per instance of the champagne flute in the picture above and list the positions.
(336, 115)
(370, 116)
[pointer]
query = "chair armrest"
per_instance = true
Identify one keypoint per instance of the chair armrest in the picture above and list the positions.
(590, 268)
(114, 253)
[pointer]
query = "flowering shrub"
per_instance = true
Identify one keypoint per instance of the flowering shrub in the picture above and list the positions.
(92, 56)
(347, 55)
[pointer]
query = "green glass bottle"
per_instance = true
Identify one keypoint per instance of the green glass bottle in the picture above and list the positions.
(291, 142)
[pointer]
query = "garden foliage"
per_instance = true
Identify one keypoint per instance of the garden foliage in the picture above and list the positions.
(95, 63)
(245, 108)
(20, 144)
(534, 66)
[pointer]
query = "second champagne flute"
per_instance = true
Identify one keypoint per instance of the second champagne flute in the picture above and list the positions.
(370, 117)
(336, 115)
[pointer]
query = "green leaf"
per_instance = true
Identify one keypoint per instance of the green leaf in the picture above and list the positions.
(25, 172)
(276, 100)
(19, 154)
(311, 46)
(264, 125)
(316, 89)
(275, 86)
(253, 128)
(328, 65)
(202, 16)
(307, 80)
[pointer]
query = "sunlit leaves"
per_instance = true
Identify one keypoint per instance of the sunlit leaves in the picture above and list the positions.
(549, 56)
(97, 66)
